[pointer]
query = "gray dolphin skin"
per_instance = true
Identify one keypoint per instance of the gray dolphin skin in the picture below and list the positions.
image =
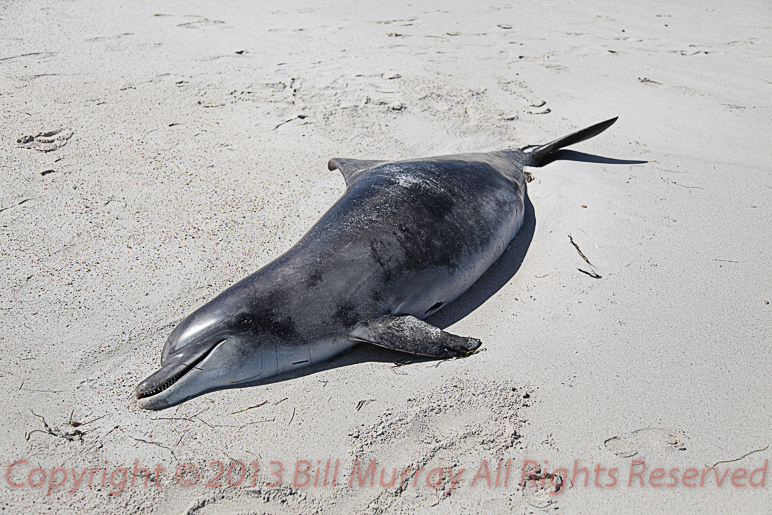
(405, 239)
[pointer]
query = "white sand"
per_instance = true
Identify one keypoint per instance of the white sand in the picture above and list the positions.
(200, 138)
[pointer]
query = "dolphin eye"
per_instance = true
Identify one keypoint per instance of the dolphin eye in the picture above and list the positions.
(245, 321)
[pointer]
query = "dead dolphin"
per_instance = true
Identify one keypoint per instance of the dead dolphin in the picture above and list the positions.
(405, 239)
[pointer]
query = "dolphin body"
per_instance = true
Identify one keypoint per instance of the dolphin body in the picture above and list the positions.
(405, 239)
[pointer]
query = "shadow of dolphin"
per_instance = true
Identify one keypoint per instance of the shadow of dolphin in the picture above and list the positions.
(573, 155)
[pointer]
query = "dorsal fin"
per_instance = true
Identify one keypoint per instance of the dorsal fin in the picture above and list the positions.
(352, 169)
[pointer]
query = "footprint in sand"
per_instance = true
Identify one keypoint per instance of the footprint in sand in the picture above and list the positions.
(646, 440)
(198, 23)
(46, 141)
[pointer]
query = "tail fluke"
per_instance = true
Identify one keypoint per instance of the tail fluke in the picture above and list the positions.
(537, 154)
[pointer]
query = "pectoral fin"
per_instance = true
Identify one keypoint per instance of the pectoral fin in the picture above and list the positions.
(408, 334)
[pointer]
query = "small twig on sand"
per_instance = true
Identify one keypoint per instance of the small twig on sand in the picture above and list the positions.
(154, 443)
(571, 238)
(92, 420)
(204, 421)
(69, 435)
(251, 407)
(592, 273)
(21, 387)
(255, 422)
(741, 457)
(361, 404)
(214, 425)
(174, 418)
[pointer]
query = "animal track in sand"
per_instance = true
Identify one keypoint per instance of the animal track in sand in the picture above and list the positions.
(524, 95)
(540, 486)
(46, 141)
(462, 416)
(646, 440)
(453, 423)
(109, 38)
(459, 422)
(200, 22)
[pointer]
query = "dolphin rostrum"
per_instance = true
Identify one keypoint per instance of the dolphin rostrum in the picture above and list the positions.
(405, 239)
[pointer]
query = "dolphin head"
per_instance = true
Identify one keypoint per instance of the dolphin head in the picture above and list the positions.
(220, 345)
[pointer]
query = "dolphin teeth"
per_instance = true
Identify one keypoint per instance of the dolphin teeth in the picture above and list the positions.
(188, 367)
(164, 386)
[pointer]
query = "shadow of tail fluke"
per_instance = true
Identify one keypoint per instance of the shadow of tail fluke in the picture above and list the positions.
(537, 154)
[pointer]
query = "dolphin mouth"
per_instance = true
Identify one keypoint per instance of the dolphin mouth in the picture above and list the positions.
(170, 374)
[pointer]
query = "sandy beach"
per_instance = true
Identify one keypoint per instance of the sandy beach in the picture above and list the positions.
(154, 153)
